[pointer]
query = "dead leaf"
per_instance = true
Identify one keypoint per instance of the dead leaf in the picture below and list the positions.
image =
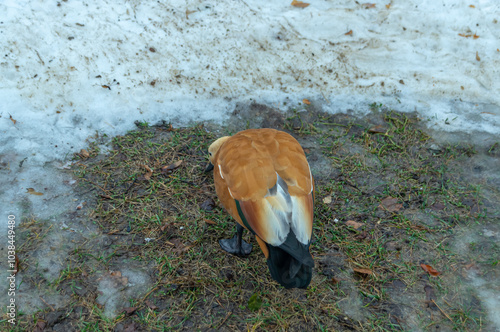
(150, 305)
(149, 172)
(208, 205)
(477, 56)
(130, 310)
(368, 5)
(363, 271)
(132, 327)
(327, 199)
(379, 129)
(470, 266)
(348, 33)
(306, 101)
(421, 228)
(472, 6)
(390, 204)
(186, 248)
(388, 6)
(40, 326)
(437, 206)
(335, 280)
(33, 192)
(208, 221)
(118, 278)
(362, 236)
(106, 87)
(354, 224)
(84, 154)
(170, 168)
(429, 269)
(179, 247)
(12, 119)
(474, 36)
(164, 226)
(299, 4)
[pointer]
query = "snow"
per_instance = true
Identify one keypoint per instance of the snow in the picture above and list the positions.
(203, 57)
(70, 69)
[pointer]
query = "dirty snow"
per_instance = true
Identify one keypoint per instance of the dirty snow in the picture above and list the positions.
(193, 60)
(134, 282)
(70, 69)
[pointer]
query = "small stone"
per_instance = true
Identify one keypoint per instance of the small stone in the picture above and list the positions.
(435, 147)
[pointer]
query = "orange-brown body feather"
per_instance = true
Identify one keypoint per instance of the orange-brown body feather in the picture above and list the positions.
(263, 179)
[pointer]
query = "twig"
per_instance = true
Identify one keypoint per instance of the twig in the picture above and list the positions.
(325, 97)
(184, 181)
(145, 296)
(220, 304)
(225, 319)
(444, 313)
(51, 307)
(130, 187)
(39, 57)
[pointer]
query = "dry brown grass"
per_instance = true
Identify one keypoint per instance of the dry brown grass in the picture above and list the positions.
(197, 286)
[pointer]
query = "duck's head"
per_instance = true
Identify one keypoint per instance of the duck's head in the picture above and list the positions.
(212, 151)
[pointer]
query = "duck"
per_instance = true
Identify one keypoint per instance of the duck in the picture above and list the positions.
(263, 180)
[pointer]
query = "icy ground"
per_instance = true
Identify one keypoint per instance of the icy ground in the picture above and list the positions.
(70, 69)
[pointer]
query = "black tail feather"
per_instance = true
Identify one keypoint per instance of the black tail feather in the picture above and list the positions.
(291, 263)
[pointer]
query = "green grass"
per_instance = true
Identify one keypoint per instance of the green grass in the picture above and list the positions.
(197, 286)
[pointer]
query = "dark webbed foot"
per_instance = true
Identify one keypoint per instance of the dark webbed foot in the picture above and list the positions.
(231, 246)
(236, 246)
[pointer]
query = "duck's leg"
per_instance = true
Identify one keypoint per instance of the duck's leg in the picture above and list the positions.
(236, 246)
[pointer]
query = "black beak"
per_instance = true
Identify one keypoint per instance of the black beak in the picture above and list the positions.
(209, 167)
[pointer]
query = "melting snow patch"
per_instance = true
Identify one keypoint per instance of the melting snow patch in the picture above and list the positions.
(490, 296)
(116, 288)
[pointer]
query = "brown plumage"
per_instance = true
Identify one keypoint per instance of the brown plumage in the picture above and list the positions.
(264, 181)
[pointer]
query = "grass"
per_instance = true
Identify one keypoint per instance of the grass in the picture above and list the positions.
(166, 223)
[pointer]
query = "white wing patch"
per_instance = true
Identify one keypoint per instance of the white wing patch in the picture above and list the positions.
(283, 212)
(300, 220)
(220, 172)
(310, 178)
